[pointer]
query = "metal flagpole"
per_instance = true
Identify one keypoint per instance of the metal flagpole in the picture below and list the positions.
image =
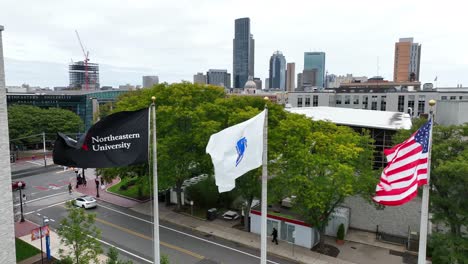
(263, 236)
(425, 198)
(155, 188)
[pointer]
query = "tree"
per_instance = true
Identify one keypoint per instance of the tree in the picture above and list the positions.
(78, 232)
(448, 188)
(321, 164)
(26, 120)
(113, 257)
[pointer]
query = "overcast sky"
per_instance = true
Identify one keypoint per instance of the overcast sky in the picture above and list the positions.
(177, 39)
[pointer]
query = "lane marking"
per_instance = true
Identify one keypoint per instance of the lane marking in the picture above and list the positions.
(125, 251)
(36, 163)
(189, 235)
(42, 198)
(126, 230)
(38, 210)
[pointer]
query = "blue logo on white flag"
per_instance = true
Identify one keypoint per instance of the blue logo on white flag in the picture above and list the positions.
(241, 145)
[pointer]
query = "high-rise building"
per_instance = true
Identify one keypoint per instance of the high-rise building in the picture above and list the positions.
(199, 78)
(277, 71)
(219, 78)
(77, 73)
(267, 83)
(7, 228)
(290, 76)
(407, 61)
(315, 61)
(150, 80)
(258, 82)
(309, 78)
(243, 52)
(299, 81)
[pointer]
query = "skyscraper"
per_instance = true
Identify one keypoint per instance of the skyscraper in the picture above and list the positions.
(199, 78)
(278, 71)
(315, 61)
(243, 52)
(407, 60)
(290, 76)
(77, 75)
(218, 77)
(149, 81)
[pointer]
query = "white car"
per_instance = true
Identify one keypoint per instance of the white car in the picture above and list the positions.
(85, 202)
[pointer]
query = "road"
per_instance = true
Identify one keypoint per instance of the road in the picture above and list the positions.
(131, 232)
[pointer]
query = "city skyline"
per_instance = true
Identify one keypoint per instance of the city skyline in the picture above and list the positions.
(176, 47)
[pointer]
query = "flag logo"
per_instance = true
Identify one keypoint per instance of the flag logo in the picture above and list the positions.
(241, 146)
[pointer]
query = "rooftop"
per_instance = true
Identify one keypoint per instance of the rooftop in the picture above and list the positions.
(356, 117)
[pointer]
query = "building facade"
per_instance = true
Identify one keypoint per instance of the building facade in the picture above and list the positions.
(258, 82)
(243, 52)
(407, 61)
(290, 76)
(278, 71)
(7, 228)
(150, 80)
(199, 78)
(219, 78)
(315, 61)
(77, 75)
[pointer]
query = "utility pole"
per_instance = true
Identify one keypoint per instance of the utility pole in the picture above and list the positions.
(44, 146)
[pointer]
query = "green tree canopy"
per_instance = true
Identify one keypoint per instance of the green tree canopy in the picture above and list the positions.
(26, 120)
(321, 164)
(78, 232)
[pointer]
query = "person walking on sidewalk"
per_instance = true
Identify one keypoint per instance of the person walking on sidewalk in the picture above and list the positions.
(69, 188)
(83, 180)
(274, 234)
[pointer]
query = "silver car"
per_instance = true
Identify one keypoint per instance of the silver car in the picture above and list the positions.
(85, 202)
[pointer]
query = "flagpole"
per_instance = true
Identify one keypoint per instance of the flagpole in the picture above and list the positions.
(425, 197)
(263, 236)
(155, 188)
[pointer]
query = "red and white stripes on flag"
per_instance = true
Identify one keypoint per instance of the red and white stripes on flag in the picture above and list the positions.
(406, 169)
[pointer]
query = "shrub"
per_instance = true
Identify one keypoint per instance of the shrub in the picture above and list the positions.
(341, 232)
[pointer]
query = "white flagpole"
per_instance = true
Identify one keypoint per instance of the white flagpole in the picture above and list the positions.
(155, 189)
(425, 198)
(263, 236)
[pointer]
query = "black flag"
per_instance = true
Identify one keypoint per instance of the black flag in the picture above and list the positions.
(118, 140)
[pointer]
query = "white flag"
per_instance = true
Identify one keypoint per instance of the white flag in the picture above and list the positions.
(236, 150)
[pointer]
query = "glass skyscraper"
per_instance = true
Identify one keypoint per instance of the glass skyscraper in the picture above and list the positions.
(315, 61)
(277, 71)
(243, 52)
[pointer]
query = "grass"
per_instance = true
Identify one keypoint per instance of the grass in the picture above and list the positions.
(131, 191)
(24, 250)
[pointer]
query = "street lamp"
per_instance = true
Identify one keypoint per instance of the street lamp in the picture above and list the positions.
(45, 221)
(20, 186)
(191, 207)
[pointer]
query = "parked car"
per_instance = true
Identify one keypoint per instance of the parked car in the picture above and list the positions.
(230, 215)
(85, 202)
(14, 185)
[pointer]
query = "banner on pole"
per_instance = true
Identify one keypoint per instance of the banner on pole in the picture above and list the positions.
(37, 234)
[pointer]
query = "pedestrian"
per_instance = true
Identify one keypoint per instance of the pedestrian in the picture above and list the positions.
(83, 180)
(274, 234)
(69, 188)
(78, 180)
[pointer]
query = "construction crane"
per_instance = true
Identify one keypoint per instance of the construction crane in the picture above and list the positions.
(86, 59)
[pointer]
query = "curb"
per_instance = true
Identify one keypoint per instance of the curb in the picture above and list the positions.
(123, 196)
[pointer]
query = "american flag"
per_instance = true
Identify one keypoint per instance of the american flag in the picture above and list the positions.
(406, 169)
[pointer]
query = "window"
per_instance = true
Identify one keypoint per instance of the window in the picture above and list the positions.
(347, 99)
(411, 104)
(338, 99)
(444, 98)
(421, 105)
(401, 103)
(365, 101)
(315, 100)
(453, 97)
(299, 102)
(307, 101)
(374, 103)
(356, 99)
(383, 103)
